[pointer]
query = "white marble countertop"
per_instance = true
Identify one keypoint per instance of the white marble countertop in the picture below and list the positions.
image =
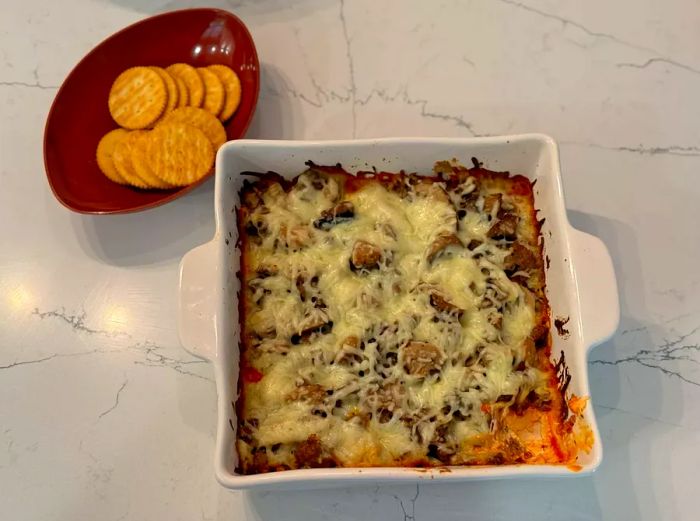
(102, 413)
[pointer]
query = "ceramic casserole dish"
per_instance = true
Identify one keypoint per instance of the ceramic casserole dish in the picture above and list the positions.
(581, 285)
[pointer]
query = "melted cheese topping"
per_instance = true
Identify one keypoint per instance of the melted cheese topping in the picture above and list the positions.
(367, 386)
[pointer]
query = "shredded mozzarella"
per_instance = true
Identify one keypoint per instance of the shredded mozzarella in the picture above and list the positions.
(374, 405)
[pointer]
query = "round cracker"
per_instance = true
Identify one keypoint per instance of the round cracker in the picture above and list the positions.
(201, 119)
(183, 95)
(137, 98)
(193, 82)
(170, 87)
(141, 164)
(122, 159)
(214, 94)
(180, 154)
(232, 87)
(105, 151)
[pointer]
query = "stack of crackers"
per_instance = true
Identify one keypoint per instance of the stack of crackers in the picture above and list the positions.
(171, 124)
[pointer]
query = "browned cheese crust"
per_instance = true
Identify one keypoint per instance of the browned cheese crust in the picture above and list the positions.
(391, 319)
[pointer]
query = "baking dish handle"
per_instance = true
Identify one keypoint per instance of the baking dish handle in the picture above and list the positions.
(597, 288)
(197, 304)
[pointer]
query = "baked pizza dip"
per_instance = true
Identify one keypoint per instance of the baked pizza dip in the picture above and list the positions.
(394, 319)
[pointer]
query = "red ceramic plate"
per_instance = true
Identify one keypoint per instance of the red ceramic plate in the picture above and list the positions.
(79, 116)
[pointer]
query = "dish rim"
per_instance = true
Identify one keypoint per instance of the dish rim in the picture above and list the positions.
(314, 478)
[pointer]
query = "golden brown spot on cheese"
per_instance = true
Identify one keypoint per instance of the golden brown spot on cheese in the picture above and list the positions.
(443, 241)
(422, 357)
(365, 255)
(505, 227)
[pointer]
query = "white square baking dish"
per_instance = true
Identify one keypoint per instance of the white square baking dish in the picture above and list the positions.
(580, 284)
